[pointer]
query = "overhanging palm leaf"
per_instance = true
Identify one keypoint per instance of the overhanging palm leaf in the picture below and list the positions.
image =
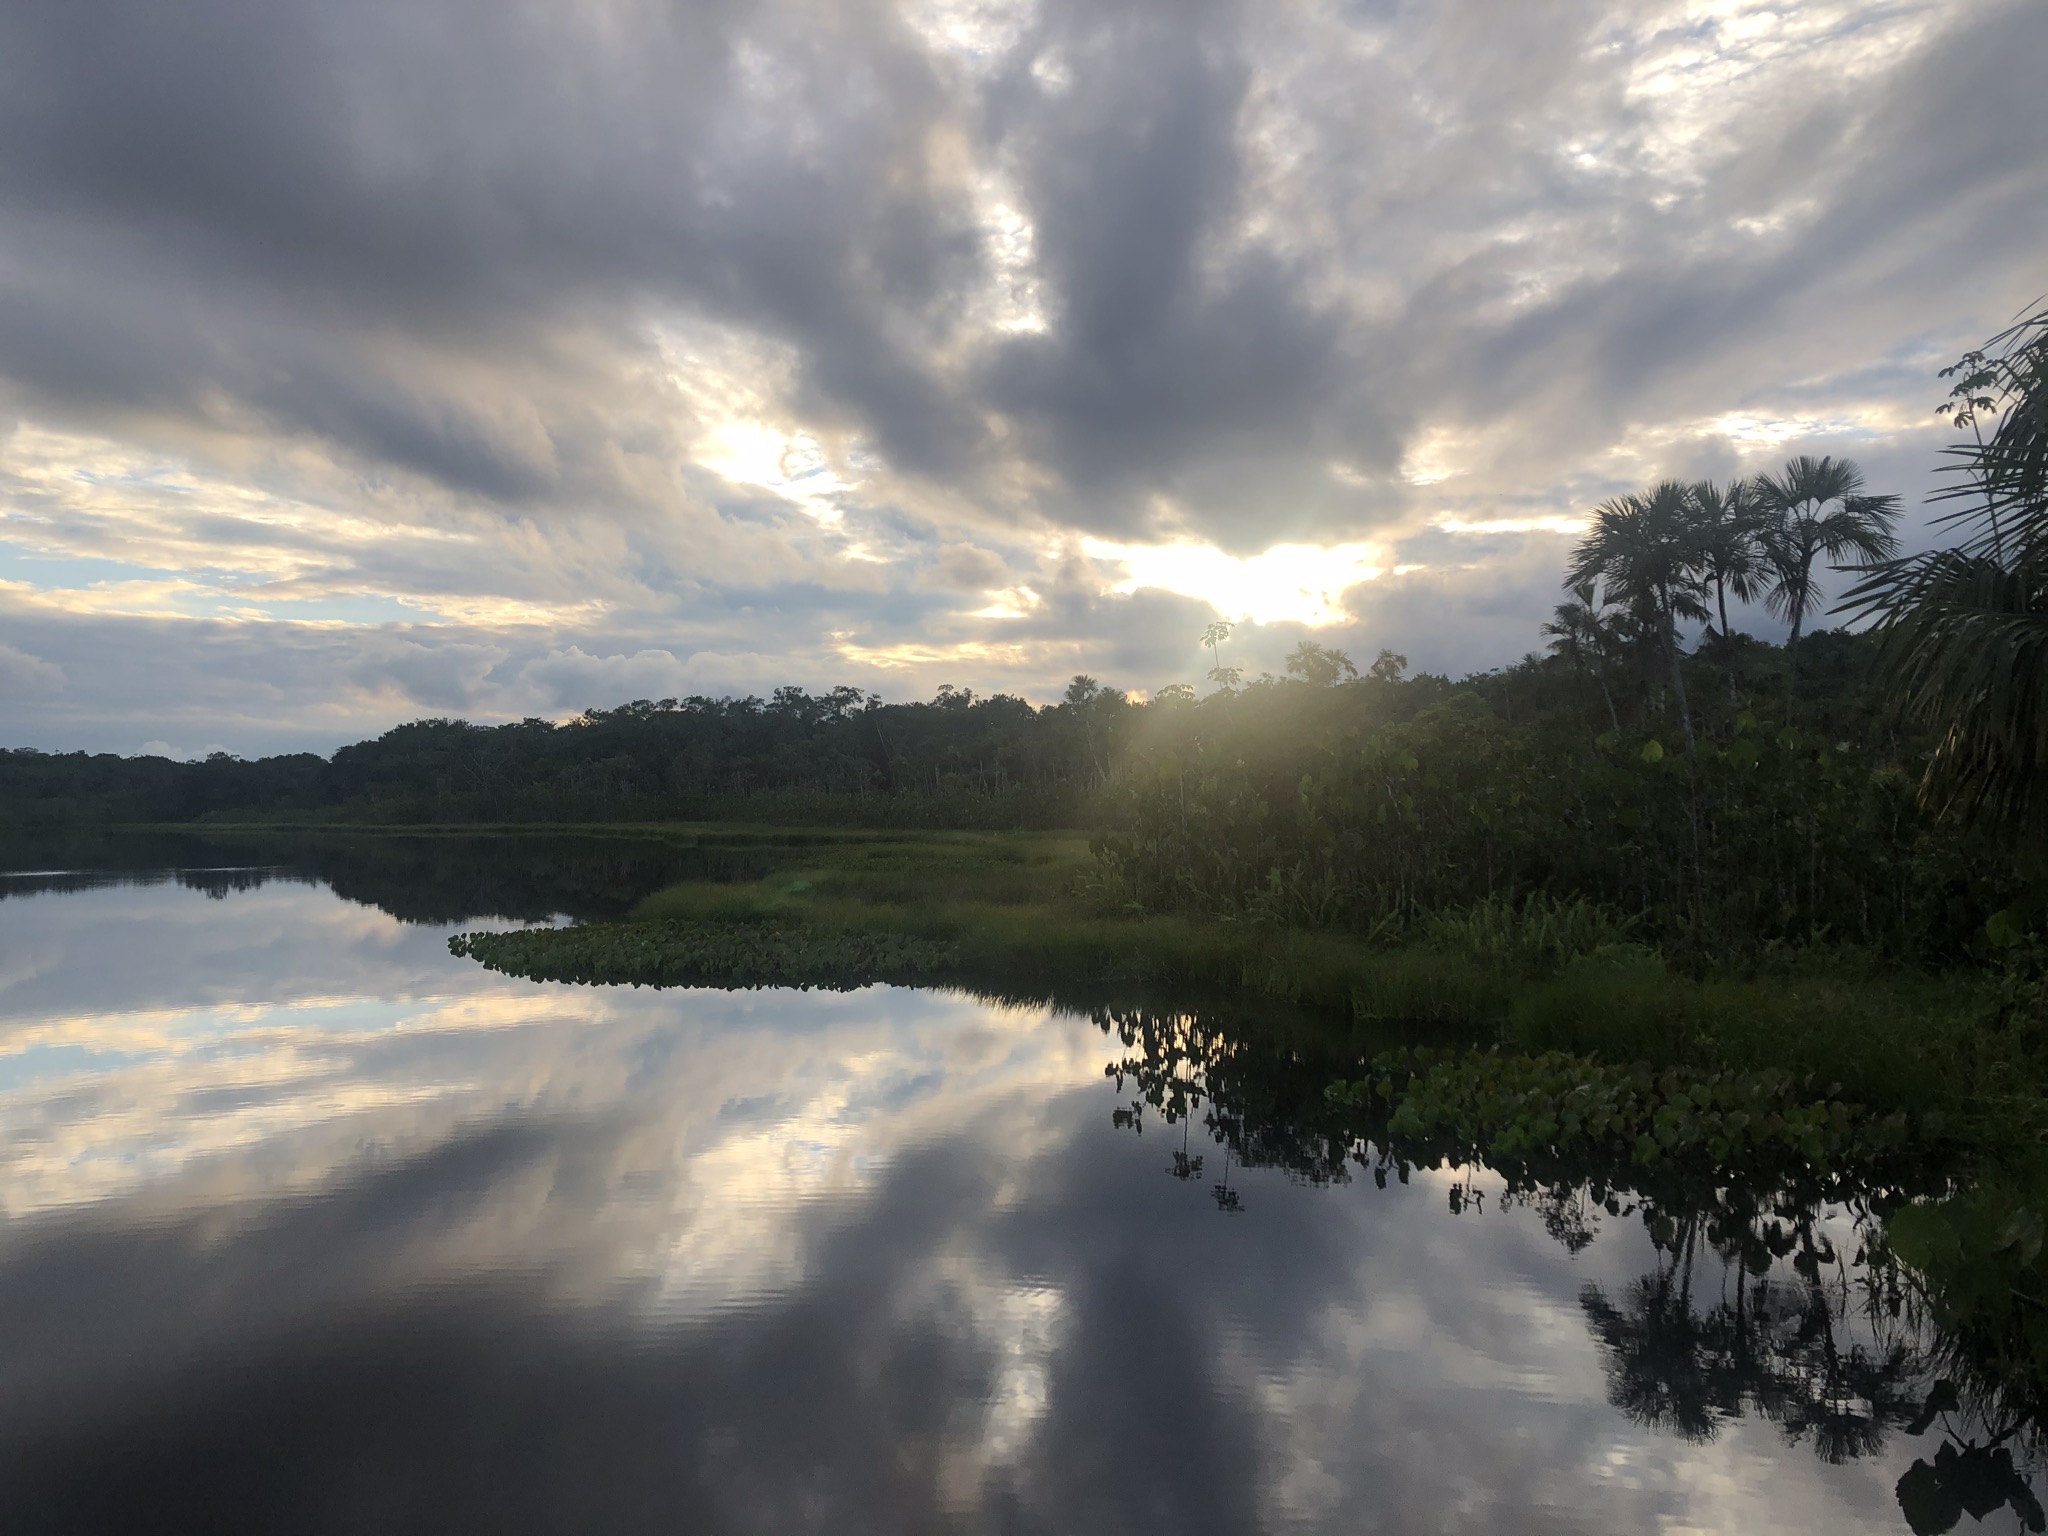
(1966, 629)
(2000, 480)
(1968, 653)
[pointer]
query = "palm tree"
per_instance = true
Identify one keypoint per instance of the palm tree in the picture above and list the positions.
(1579, 631)
(1319, 665)
(1213, 637)
(1643, 553)
(1815, 508)
(1728, 522)
(1966, 629)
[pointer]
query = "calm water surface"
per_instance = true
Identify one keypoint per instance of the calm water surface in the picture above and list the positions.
(311, 1227)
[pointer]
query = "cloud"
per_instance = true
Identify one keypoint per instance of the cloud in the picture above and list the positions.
(572, 676)
(815, 333)
(26, 676)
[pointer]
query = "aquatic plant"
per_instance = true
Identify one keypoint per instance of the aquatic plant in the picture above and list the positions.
(737, 955)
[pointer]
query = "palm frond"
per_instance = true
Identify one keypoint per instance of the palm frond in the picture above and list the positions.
(1966, 645)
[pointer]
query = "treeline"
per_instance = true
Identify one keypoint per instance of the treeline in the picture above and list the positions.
(1319, 798)
(841, 756)
(74, 789)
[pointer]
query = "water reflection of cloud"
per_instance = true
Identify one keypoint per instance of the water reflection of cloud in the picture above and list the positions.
(96, 1105)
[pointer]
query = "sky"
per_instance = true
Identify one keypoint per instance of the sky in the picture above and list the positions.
(370, 360)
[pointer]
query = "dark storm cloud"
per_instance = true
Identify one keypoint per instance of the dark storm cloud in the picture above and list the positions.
(251, 198)
(246, 198)
(1155, 370)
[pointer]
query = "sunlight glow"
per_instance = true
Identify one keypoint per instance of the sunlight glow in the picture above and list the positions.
(1770, 431)
(1435, 457)
(792, 465)
(910, 655)
(1289, 583)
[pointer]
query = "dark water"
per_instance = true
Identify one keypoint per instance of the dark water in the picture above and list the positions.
(310, 1227)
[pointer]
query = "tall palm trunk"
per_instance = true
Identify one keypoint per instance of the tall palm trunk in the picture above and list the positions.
(1721, 601)
(1599, 676)
(1678, 684)
(1798, 620)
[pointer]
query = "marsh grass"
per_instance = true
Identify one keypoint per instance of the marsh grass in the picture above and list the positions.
(1537, 935)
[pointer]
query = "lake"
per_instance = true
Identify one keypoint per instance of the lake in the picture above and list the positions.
(311, 1226)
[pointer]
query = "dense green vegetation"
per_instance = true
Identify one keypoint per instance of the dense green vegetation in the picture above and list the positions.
(1027, 915)
(1314, 800)
(1371, 804)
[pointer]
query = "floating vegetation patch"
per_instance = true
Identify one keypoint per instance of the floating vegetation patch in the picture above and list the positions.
(1536, 1113)
(707, 954)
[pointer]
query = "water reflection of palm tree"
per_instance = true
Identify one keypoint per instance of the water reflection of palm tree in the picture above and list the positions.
(1228, 1200)
(1184, 1167)
(1776, 1343)
(1666, 1363)
(1770, 1348)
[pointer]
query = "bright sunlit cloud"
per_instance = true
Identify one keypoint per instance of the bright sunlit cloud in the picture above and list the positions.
(1010, 603)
